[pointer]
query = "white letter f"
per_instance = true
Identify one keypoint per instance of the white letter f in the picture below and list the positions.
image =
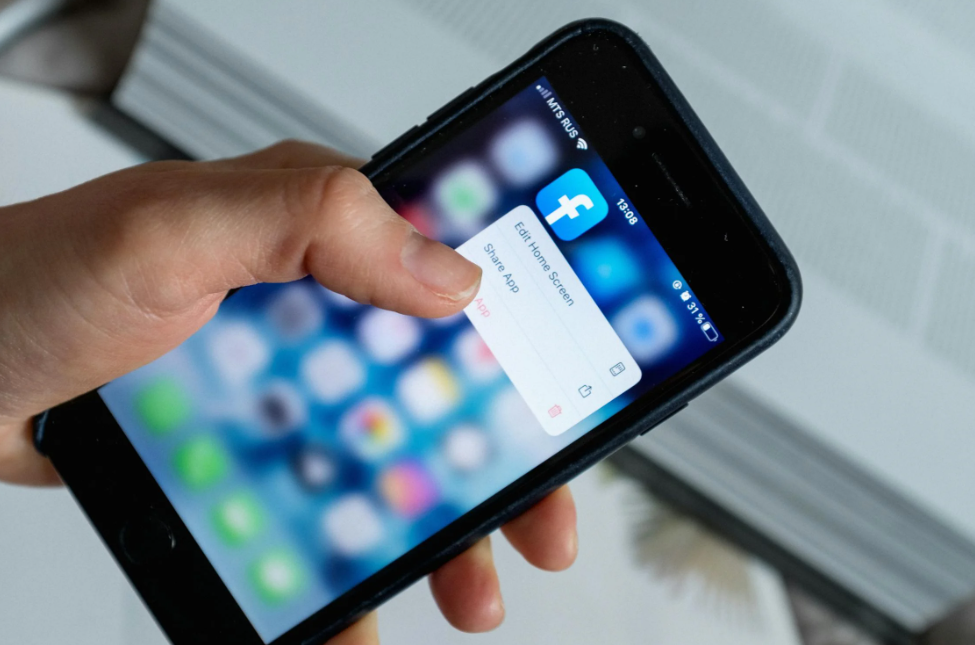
(569, 207)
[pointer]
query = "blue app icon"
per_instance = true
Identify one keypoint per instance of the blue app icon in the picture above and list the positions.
(606, 267)
(572, 204)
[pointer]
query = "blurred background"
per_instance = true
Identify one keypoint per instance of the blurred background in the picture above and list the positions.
(824, 494)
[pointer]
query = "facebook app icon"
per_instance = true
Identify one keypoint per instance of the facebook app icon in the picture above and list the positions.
(572, 204)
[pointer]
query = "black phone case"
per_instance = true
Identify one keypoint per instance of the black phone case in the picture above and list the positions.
(488, 517)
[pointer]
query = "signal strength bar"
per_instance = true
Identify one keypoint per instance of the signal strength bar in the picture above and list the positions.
(545, 92)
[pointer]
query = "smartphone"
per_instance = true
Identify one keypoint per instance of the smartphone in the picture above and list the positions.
(304, 457)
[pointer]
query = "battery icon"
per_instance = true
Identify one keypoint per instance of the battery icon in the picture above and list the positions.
(710, 332)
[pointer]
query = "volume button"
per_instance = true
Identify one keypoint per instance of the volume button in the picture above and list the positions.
(395, 143)
(452, 105)
(449, 107)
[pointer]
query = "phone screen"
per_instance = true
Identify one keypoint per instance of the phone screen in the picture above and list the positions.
(308, 441)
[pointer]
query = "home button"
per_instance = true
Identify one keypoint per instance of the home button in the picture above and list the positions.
(146, 540)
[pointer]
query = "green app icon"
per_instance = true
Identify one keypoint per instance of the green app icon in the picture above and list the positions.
(238, 519)
(465, 193)
(201, 462)
(277, 577)
(162, 405)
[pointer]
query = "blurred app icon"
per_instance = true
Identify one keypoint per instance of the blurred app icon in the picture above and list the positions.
(515, 428)
(315, 468)
(509, 413)
(448, 321)
(388, 336)
(281, 408)
(371, 429)
(162, 405)
(606, 267)
(466, 448)
(421, 218)
(352, 526)
(647, 328)
(277, 577)
(408, 489)
(428, 390)
(475, 358)
(572, 204)
(465, 194)
(201, 462)
(524, 153)
(332, 371)
(296, 313)
(238, 352)
(238, 519)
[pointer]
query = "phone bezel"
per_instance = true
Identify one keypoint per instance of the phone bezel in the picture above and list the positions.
(749, 284)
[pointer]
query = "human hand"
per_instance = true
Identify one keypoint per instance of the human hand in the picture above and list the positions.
(103, 278)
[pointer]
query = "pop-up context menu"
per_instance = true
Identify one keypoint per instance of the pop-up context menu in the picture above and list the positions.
(546, 331)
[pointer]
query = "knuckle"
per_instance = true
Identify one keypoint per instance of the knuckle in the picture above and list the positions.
(341, 221)
(286, 145)
(284, 149)
(318, 204)
(345, 185)
(328, 195)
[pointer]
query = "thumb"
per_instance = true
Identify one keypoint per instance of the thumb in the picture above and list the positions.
(103, 278)
(202, 232)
